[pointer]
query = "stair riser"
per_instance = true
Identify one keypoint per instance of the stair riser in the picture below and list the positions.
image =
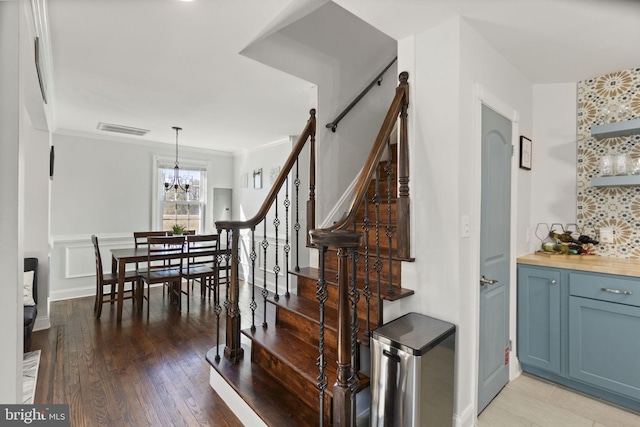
(307, 329)
(288, 377)
(331, 263)
(383, 214)
(306, 289)
(383, 242)
(383, 189)
(331, 278)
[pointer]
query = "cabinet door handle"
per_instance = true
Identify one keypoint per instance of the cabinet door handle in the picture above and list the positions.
(617, 291)
(553, 281)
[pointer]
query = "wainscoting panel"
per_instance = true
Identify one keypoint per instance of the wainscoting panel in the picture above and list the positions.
(79, 261)
(73, 263)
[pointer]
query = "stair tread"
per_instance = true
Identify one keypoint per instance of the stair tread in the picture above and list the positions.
(371, 254)
(313, 274)
(272, 402)
(309, 309)
(294, 352)
(300, 355)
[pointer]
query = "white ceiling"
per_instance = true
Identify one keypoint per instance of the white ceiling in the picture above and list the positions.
(155, 64)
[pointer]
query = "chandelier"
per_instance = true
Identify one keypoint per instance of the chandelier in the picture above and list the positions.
(176, 174)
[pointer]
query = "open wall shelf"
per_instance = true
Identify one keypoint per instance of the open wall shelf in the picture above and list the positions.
(609, 181)
(613, 130)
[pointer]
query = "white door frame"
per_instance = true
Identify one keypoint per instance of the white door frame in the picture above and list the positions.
(483, 97)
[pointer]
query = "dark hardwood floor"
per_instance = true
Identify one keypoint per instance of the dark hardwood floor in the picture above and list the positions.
(139, 372)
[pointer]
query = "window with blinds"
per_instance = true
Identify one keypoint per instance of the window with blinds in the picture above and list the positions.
(178, 206)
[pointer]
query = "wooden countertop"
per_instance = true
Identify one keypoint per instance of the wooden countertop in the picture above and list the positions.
(593, 263)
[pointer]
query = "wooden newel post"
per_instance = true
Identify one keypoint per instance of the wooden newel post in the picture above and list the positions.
(343, 397)
(233, 350)
(311, 203)
(402, 212)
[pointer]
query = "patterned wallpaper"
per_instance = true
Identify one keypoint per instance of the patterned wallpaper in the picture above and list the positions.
(605, 99)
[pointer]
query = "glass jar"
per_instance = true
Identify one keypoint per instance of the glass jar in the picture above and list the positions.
(634, 166)
(606, 166)
(621, 166)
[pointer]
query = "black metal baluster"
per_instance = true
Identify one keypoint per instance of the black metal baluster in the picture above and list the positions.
(366, 226)
(297, 227)
(354, 297)
(287, 247)
(377, 265)
(227, 256)
(217, 308)
(321, 295)
(276, 266)
(253, 257)
(265, 292)
(390, 231)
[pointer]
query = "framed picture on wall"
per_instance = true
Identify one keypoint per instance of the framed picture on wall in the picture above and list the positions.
(257, 178)
(525, 153)
(52, 158)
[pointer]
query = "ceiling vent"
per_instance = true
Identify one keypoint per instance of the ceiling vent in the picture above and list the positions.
(107, 127)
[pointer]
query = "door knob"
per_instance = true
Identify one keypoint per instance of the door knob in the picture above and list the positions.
(485, 281)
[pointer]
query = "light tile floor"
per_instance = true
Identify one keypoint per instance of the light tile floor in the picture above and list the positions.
(532, 402)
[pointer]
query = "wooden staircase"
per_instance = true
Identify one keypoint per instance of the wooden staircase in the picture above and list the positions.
(287, 352)
(308, 343)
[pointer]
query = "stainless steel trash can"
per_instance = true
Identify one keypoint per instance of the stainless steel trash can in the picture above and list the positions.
(412, 372)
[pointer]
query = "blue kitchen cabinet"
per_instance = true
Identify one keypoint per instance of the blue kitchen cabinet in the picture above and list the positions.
(582, 330)
(604, 332)
(539, 317)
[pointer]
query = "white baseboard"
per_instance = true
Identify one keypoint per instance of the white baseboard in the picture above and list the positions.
(81, 292)
(464, 419)
(85, 291)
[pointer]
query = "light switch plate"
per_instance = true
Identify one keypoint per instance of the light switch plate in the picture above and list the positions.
(606, 235)
(465, 226)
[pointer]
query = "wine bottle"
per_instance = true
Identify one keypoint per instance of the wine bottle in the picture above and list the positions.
(564, 237)
(586, 239)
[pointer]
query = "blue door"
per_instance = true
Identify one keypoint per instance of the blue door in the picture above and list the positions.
(493, 369)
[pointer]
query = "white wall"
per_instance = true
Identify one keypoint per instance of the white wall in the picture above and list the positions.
(247, 200)
(341, 63)
(553, 189)
(11, 208)
(35, 144)
(105, 187)
(448, 63)
(35, 141)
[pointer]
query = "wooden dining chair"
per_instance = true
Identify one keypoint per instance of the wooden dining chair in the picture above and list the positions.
(202, 251)
(169, 249)
(224, 261)
(109, 279)
(140, 241)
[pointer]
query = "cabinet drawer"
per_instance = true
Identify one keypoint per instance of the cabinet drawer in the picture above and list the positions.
(605, 287)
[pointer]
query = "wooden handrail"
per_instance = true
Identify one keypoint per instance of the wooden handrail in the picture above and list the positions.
(233, 349)
(399, 103)
(308, 132)
(334, 124)
(343, 236)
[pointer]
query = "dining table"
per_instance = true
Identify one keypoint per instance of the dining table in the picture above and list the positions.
(119, 260)
(121, 257)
